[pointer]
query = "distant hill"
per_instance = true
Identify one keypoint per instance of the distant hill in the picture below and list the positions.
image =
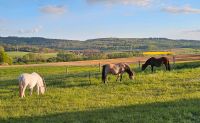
(104, 44)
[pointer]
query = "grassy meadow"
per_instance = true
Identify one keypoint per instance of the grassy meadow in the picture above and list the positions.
(152, 97)
(14, 54)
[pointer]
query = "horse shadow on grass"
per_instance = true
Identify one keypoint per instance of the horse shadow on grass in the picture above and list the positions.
(187, 65)
(71, 80)
(184, 110)
(8, 83)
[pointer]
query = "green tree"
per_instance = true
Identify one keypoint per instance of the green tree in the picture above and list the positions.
(1, 48)
(33, 57)
(152, 47)
(67, 56)
(4, 58)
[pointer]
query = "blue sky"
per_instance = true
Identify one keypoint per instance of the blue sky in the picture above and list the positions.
(86, 19)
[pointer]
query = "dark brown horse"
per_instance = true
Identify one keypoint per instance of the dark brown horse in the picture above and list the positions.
(157, 62)
(116, 69)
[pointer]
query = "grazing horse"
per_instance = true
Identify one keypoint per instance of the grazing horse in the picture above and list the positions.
(31, 80)
(156, 62)
(116, 69)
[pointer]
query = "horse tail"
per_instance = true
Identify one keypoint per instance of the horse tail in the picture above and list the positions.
(169, 68)
(103, 73)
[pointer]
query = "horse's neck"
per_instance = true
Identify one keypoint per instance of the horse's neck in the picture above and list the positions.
(128, 71)
(148, 62)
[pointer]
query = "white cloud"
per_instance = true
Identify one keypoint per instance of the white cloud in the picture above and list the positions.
(181, 10)
(56, 10)
(191, 34)
(193, 31)
(123, 2)
(33, 30)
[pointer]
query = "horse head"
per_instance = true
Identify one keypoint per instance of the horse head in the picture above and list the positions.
(130, 73)
(42, 86)
(144, 67)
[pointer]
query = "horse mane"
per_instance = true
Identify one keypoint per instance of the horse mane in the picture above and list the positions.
(39, 75)
(128, 70)
(144, 66)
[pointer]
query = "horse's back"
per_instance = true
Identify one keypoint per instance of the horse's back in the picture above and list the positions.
(158, 59)
(165, 58)
(27, 79)
(122, 64)
(116, 68)
(23, 77)
(36, 75)
(109, 67)
(38, 78)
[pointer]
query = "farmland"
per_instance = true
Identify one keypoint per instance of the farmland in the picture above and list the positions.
(69, 49)
(21, 54)
(152, 97)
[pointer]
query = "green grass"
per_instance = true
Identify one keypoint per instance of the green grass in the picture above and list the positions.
(21, 54)
(49, 55)
(152, 97)
(16, 54)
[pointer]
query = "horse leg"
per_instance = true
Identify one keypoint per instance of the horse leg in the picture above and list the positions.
(117, 77)
(121, 78)
(166, 66)
(23, 91)
(31, 91)
(152, 68)
(38, 90)
(20, 90)
(105, 79)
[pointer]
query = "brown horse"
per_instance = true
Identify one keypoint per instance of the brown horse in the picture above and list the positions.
(156, 62)
(116, 69)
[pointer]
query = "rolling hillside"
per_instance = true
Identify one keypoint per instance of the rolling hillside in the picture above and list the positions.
(103, 44)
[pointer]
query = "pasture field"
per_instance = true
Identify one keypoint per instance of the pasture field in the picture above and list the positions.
(152, 97)
(182, 51)
(14, 54)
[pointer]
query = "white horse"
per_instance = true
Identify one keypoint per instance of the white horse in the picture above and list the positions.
(31, 80)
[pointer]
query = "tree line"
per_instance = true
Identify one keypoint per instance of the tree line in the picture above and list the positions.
(34, 44)
(65, 56)
(4, 58)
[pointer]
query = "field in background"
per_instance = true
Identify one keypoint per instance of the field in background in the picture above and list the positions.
(135, 60)
(16, 54)
(159, 97)
(179, 51)
(21, 54)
